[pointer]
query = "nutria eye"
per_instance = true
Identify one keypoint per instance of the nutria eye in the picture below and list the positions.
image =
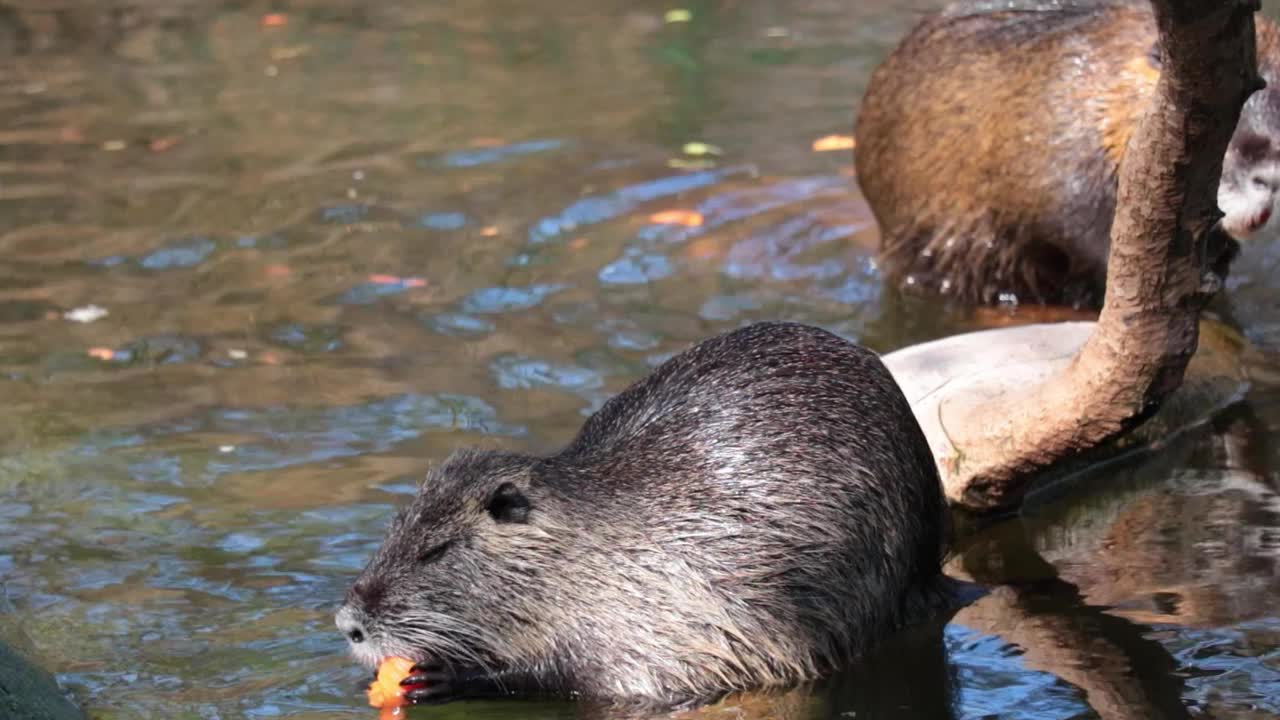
(509, 505)
(1252, 147)
(434, 553)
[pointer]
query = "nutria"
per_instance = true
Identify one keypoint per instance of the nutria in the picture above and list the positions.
(755, 512)
(989, 142)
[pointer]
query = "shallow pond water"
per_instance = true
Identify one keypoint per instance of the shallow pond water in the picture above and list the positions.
(334, 240)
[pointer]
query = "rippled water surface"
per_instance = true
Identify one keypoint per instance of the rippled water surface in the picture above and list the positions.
(334, 240)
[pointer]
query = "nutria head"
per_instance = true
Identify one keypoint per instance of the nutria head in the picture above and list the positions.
(1250, 186)
(1249, 192)
(458, 578)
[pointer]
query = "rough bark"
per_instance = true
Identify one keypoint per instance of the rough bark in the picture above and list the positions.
(1167, 259)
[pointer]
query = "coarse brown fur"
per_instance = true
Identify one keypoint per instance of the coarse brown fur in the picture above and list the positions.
(989, 144)
(754, 513)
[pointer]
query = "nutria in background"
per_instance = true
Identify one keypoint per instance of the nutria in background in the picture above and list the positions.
(989, 143)
(754, 513)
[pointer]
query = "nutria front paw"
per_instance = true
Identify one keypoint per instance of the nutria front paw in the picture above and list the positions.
(428, 684)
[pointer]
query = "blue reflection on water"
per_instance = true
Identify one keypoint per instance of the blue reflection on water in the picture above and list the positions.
(599, 208)
(486, 156)
(181, 254)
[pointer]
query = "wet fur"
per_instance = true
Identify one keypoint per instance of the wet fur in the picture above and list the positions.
(755, 512)
(989, 144)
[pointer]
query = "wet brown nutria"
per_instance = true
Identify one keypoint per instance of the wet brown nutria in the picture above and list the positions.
(755, 512)
(989, 142)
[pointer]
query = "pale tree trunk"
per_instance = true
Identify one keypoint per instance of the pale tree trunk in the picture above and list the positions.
(1167, 259)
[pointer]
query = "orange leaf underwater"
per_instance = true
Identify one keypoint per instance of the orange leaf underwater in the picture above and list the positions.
(688, 218)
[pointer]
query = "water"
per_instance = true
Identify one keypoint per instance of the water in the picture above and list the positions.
(335, 243)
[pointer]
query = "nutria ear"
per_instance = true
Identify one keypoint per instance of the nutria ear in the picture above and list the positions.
(509, 505)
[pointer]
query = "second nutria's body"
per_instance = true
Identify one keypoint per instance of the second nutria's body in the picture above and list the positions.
(989, 143)
(753, 513)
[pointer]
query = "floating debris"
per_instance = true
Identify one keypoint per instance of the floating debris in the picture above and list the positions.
(834, 142)
(701, 148)
(86, 314)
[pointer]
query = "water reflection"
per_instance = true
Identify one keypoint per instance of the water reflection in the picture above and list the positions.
(1119, 590)
(334, 245)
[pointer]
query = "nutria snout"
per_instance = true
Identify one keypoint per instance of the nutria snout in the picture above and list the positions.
(755, 512)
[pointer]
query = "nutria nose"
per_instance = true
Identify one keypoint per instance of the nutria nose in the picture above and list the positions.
(350, 625)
